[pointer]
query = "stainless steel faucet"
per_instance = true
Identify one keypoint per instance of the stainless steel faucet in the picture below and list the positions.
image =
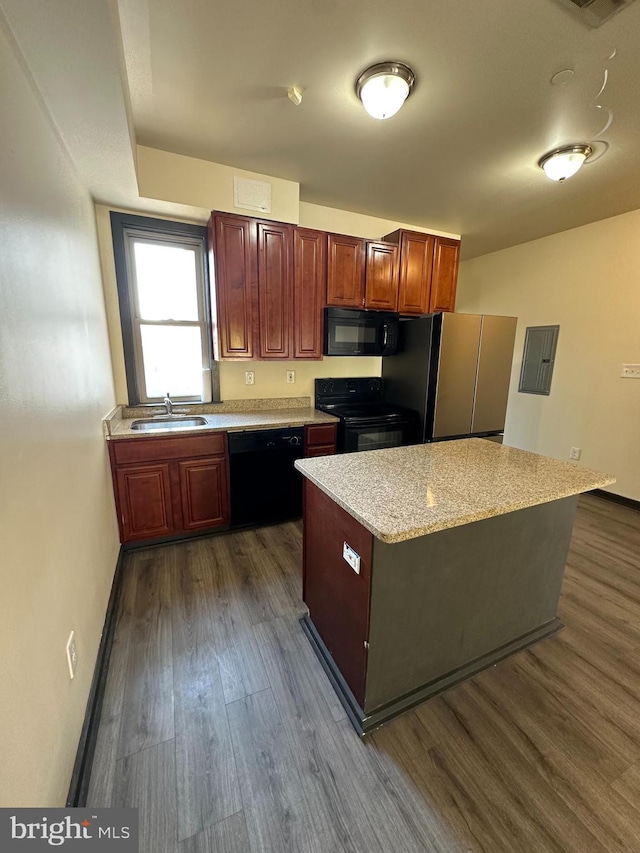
(168, 404)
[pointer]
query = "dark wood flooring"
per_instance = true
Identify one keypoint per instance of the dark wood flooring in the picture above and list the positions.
(221, 727)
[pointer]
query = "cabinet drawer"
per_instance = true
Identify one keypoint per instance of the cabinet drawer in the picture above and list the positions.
(320, 450)
(324, 434)
(155, 449)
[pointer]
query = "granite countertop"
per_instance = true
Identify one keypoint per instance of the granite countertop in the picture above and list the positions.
(405, 492)
(228, 416)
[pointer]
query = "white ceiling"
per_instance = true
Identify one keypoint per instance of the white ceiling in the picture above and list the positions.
(208, 79)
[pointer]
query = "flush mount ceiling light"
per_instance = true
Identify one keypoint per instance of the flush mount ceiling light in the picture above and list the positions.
(564, 162)
(384, 88)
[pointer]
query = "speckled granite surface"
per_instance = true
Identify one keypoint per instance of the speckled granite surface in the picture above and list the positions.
(405, 492)
(230, 419)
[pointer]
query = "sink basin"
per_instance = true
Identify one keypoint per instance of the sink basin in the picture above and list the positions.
(168, 423)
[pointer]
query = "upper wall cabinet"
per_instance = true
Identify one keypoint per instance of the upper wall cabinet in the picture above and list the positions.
(381, 277)
(345, 273)
(233, 244)
(428, 272)
(309, 277)
(361, 274)
(444, 278)
(275, 289)
(269, 288)
(416, 262)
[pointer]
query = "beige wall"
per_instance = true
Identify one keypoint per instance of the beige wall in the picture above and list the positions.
(209, 186)
(356, 224)
(588, 281)
(57, 522)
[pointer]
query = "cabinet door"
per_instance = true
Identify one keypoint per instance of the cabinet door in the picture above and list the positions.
(416, 263)
(444, 279)
(309, 274)
(204, 489)
(275, 290)
(235, 284)
(144, 499)
(345, 271)
(381, 276)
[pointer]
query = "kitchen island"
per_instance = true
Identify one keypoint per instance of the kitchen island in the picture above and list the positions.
(423, 565)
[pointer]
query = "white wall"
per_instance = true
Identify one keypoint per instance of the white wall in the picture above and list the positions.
(588, 281)
(57, 522)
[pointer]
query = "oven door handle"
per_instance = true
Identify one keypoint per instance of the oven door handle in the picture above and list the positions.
(385, 335)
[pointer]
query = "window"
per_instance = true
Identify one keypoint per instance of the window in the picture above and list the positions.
(161, 269)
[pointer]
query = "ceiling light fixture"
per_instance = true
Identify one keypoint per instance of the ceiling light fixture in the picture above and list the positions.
(564, 162)
(384, 88)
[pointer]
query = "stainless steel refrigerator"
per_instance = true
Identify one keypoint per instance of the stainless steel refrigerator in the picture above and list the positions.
(454, 369)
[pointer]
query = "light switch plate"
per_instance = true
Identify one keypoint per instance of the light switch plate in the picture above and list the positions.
(352, 558)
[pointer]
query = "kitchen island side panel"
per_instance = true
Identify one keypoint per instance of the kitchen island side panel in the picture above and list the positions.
(443, 600)
(337, 597)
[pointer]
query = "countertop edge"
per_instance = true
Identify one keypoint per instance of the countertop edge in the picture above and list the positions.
(308, 419)
(467, 518)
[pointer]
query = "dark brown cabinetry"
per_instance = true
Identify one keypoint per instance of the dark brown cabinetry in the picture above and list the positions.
(345, 271)
(444, 279)
(275, 290)
(309, 276)
(428, 272)
(416, 263)
(168, 486)
(269, 286)
(320, 440)
(381, 277)
(234, 242)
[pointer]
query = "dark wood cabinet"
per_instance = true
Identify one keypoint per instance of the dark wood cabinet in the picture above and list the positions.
(233, 268)
(428, 272)
(269, 281)
(444, 278)
(320, 439)
(168, 486)
(145, 501)
(204, 490)
(345, 271)
(416, 264)
(275, 290)
(309, 276)
(381, 277)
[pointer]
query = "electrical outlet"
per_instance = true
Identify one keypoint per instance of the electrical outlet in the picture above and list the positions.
(291, 377)
(575, 453)
(72, 654)
(630, 371)
(249, 377)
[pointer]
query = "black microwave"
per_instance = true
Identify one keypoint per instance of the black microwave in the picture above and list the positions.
(349, 331)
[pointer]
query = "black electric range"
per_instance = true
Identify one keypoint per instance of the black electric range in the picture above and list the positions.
(366, 421)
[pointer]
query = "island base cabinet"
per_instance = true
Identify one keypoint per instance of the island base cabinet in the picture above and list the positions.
(429, 612)
(337, 596)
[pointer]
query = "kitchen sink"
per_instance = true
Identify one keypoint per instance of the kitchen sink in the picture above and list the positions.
(169, 422)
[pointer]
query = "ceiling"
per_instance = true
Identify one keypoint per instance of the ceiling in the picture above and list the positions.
(208, 79)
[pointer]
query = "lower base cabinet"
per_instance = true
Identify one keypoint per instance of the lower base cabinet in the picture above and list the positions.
(168, 486)
(320, 440)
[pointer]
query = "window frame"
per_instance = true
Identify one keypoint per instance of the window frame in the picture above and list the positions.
(125, 229)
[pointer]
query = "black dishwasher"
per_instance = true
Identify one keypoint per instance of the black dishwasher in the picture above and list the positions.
(265, 486)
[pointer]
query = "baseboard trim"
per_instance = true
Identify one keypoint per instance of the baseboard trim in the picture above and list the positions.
(364, 723)
(616, 499)
(79, 787)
